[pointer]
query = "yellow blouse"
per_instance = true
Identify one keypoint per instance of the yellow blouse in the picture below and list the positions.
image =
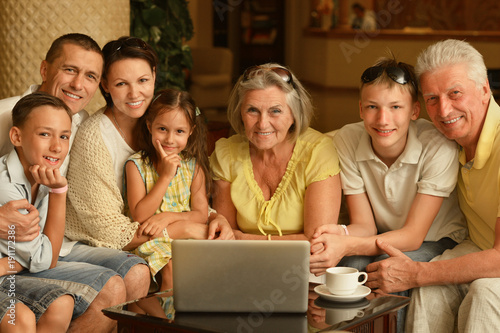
(314, 158)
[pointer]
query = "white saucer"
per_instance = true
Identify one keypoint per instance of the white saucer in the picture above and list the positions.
(359, 293)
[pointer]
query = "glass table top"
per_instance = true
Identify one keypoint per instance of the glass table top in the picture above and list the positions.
(321, 315)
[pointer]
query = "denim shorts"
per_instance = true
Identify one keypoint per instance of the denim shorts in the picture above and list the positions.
(85, 271)
(32, 292)
(119, 261)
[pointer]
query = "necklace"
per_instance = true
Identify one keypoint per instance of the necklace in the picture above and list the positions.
(118, 126)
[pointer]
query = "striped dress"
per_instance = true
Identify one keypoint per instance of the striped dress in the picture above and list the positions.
(157, 252)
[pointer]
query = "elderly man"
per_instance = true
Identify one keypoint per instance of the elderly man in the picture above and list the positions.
(461, 288)
(100, 277)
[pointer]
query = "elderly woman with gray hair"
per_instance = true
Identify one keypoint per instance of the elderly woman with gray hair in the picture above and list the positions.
(276, 178)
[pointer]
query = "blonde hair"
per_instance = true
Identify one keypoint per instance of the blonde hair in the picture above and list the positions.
(385, 62)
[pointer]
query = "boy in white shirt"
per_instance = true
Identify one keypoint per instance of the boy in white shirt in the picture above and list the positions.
(398, 177)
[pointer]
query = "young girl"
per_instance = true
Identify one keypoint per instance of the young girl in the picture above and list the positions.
(169, 177)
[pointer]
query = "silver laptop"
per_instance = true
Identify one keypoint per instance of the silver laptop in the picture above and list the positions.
(240, 276)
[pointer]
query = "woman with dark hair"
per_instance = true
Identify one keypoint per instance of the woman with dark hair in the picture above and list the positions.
(104, 142)
(95, 212)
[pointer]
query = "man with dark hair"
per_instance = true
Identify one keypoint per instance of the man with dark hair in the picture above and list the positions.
(72, 71)
(84, 41)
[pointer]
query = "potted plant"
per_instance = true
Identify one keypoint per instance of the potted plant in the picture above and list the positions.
(165, 25)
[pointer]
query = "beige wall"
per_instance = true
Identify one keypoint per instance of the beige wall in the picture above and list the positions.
(328, 66)
(321, 62)
(28, 27)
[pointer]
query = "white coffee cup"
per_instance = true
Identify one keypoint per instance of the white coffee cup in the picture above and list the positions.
(343, 280)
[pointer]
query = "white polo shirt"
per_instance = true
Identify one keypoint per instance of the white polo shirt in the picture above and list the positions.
(428, 165)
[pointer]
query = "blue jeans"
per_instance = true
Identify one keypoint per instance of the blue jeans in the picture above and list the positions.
(85, 271)
(33, 293)
(426, 252)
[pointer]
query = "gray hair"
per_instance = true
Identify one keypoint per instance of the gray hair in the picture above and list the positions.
(451, 52)
(297, 98)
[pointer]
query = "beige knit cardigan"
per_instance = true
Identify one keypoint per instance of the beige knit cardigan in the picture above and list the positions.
(94, 210)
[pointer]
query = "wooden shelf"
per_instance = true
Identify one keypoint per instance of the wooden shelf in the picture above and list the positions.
(404, 34)
(262, 32)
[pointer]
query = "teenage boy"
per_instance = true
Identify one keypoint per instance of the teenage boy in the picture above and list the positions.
(459, 290)
(398, 177)
(40, 133)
